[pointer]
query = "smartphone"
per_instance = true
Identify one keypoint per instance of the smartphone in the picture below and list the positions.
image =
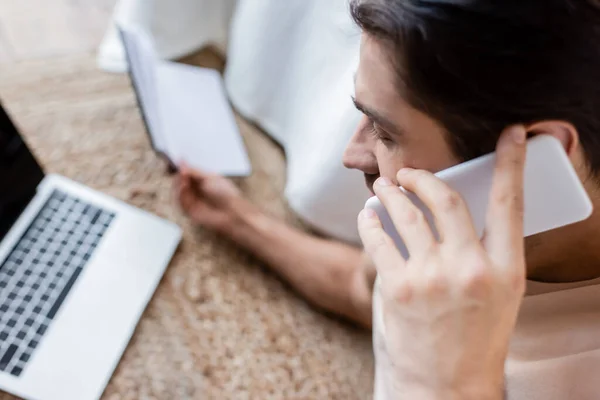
(553, 193)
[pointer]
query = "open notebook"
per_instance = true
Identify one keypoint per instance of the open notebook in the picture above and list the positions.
(185, 109)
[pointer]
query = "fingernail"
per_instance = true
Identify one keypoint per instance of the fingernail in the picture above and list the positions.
(405, 171)
(518, 134)
(368, 213)
(384, 182)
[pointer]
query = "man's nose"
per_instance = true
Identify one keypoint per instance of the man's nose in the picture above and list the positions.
(353, 156)
(359, 153)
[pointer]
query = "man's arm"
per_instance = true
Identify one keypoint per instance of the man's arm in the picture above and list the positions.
(329, 274)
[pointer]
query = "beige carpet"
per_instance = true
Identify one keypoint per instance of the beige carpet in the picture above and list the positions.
(220, 325)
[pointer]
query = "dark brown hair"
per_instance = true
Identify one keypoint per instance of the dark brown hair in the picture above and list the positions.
(477, 66)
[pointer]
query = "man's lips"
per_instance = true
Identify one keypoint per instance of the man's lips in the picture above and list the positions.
(370, 181)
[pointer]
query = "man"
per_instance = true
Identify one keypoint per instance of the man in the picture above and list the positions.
(438, 81)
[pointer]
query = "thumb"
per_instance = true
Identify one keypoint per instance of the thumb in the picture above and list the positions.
(220, 189)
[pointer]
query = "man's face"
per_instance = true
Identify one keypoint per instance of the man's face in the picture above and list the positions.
(392, 134)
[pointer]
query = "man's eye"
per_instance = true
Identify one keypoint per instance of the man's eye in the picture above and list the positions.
(378, 133)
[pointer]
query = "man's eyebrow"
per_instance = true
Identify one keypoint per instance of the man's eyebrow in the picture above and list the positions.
(385, 123)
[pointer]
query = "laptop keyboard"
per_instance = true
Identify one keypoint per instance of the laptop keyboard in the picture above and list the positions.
(41, 269)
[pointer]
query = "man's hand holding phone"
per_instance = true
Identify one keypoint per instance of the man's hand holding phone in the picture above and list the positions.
(449, 310)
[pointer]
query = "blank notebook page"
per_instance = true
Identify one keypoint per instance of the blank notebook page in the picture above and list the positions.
(198, 121)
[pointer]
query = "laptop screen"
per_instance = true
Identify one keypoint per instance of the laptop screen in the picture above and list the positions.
(20, 174)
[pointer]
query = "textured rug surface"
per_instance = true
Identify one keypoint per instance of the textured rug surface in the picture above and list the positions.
(220, 325)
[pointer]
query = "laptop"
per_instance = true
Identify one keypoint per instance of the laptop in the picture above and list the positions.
(77, 269)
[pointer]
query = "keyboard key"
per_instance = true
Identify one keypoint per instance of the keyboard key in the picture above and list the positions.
(96, 216)
(64, 293)
(7, 357)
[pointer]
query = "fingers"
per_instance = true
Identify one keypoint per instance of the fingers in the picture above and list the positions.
(185, 170)
(504, 223)
(378, 245)
(185, 193)
(452, 218)
(200, 187)
(190, 181)
(408, 220)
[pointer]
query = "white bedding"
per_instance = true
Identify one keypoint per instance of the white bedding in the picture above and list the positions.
(290, 68)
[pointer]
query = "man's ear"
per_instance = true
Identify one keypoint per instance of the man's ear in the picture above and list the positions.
(565, 132)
